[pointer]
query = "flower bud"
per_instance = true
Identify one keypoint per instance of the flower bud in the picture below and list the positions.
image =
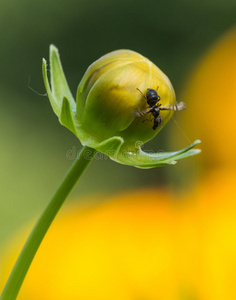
(123, 101)
(108, 97)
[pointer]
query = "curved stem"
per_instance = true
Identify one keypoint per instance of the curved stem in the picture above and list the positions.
(33, 242)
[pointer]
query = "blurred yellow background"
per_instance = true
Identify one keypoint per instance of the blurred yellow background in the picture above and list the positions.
(149, 244)
(173, 237)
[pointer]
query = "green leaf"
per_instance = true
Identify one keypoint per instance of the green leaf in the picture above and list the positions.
(54, 103)
(66, 116)
(111, 146)
(141, 159)
(59, 84)
(59, 96)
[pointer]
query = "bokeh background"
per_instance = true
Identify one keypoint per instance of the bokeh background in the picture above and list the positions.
(36, 151)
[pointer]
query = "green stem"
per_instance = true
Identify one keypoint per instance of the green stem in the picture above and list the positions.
(33, 242)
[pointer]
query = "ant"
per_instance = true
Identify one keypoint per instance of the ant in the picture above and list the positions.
(154, 107)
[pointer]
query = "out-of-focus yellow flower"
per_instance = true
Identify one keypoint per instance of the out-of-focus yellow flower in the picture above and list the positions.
(142, 245)
(215, 220)
(210, 97)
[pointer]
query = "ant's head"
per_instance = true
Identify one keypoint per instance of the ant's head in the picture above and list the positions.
(152, 97)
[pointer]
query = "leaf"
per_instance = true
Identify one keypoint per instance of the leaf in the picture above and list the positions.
(66, 116)
(59, 96)
(54, 103)
(59, 84)
(141, 159)
(111, 146)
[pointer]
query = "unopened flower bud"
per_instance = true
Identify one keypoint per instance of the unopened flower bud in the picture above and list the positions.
(123, 101)
(111, 97)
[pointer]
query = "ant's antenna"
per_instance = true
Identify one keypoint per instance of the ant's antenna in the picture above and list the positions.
(141, 93)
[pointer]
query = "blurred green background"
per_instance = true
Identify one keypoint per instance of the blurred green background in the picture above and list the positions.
(34, 147)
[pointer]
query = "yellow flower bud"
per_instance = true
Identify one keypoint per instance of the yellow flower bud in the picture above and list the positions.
(108, 98)
(123, 101)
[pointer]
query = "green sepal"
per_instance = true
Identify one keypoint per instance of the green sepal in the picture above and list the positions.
(60, 97)
(66, 117)
(54, 103)
(110, 147)
(59, 84)
(113, 148)
(144, 160)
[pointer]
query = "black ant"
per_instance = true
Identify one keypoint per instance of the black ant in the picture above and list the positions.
(154, 107)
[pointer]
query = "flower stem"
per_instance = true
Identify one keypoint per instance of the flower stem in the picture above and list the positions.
(33, 242)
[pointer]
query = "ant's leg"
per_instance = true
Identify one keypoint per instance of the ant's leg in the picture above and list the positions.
(149, 120)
